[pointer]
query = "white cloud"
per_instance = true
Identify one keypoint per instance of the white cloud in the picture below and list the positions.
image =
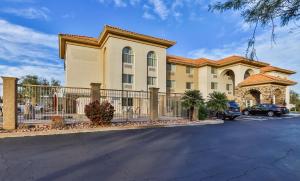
(160, 8)
(147, 15)
(26, 51)
(29, 13)
(285, 53)
(120, 3)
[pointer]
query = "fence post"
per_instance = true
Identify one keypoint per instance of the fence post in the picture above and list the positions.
(153, 103)
(95, 91)
(9, 103)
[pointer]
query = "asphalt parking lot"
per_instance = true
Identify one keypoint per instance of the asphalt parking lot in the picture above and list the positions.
(237, 150)
(265, 118)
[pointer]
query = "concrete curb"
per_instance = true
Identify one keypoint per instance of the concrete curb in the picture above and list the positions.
(92, 130)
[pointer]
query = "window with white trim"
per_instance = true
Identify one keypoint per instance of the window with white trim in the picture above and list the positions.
(127, 78)
(214, 85)
(189, 85)
(213, 70)
(171, 67)
(151, 80)
(127, 55)
(151, 59)
(171, 84)
(189, 70)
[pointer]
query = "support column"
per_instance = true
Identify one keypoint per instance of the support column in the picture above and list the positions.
(9, 103)
(153, 103)
(95, 91)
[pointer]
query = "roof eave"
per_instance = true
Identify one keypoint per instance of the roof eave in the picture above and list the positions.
(108, 30)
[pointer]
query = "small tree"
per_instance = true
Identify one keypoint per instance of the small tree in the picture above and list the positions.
(217, 102)
(191, 99)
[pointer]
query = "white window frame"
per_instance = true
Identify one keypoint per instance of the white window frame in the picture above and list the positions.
(172, 84)
(151, 59)
(213, 71)
(127, 79)
(189, 83)
(214, 85)
(127, 56)
(151, 81)
(171, 67)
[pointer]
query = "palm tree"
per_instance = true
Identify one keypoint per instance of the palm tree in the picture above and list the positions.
(217, 102)
(190, 99)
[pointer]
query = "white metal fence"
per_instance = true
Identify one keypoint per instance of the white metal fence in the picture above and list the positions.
(39, 103)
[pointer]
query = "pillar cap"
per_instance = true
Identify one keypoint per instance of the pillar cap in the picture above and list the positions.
(12, 78)
(92, 84)
(153, 88)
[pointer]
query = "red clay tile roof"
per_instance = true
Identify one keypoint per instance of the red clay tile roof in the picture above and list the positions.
(118, 31)
(261, 78)
(239, 59)
(219, 63)
(79, 37)
(277, 69)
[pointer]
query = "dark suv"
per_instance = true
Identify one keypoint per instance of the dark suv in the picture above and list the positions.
(263, 109)
(232, 111)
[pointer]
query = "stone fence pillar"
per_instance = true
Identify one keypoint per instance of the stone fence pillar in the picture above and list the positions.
(95, 91)
(9, 103)
(153, 103)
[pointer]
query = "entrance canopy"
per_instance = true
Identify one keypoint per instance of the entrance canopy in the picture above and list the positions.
(262, 88)
(259, 79)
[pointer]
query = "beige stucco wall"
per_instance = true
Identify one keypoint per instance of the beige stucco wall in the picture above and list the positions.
(82, 66)
(181, 78)
(206, 78)
(139, 70)
(278, 74)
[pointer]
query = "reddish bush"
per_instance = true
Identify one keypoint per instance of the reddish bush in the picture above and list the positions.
(57, 122)
(99, 113)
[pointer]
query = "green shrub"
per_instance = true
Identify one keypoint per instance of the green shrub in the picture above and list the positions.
(202, 112)
(99, 113)
(190, 99)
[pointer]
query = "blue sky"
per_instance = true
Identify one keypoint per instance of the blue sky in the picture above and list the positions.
(29, 28)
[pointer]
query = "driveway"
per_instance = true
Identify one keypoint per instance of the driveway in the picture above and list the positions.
(241, 150)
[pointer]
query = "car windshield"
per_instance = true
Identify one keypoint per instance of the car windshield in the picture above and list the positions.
(232, 104)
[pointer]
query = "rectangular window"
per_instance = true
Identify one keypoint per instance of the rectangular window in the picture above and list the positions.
(171, 67)
(127, 101)
(214, 85)
(151, 80)
(229, 87)
(127, 58)
(127, 78)
(213, 70)
(171, 83)
(189, 85)
(189, 70)
(151, 62)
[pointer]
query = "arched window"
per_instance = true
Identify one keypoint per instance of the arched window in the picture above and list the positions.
(127, 55)
(151, 59)
(248, 73)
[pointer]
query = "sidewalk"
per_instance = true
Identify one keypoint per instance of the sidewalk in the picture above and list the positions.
(102, 129)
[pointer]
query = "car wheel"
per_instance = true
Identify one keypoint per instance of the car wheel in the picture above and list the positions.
(270, 113)
(246, 113)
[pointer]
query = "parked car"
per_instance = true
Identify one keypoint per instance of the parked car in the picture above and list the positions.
(263, 109)
(284, 110)
(232, 111)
